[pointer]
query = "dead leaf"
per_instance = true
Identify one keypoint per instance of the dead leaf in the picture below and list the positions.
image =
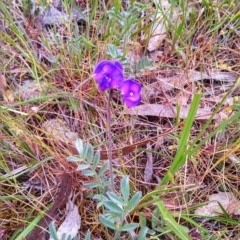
(159, 27)
(8, 96)
(118, 152)
(158, 31)
(71, 224)
(234, 159)
(59, 131)
(148, 172)
(31, 90)
(3, 82)
(53, 16)
(133, 56)
(182, 78)
(135, 52)
(224, 66)
(226, 199)
(158, 35)
(156, 55)
(182, 98)
(160, 110)
(60, 201)
(159, 141)
(33, 184)
(213, 75)
(15, 171)
(35, 109)
(2, 232)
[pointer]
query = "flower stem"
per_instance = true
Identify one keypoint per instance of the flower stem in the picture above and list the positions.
(110, 139)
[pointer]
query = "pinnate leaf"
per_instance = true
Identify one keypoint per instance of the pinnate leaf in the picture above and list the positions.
(88, 173)
(129, 227)
(91, 185)
(88, 235)
(115, 198)
(113, 207)
(90, 153)
(103, 169)
(142, 234)
(74, 159)
(134, 200)
(96, 160)
(107, 222)
(125, 188)
(82, 167)
(79, 146)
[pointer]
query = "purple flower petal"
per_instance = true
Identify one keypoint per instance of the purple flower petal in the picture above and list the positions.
(118, 65)
(108, 74)
(131, 92)
(132, 102)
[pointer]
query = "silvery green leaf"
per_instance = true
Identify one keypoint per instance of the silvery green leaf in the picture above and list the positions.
(112, 51)
(109, 216)
(88, 173)
(113, 207)
(99, 205)
(152, 232)
(144, 63)
(107, 222)
(125, 188)
(53, 231)
(100, 197)
(79, 146)
(85, 150)
(64, 237)
(90, 153)
(74, 159)
(134, 200)
(82, 167)
(128, 227)
(155, 217)
(88, 235)
(143, 233)
(142, 220)
(106, 183)
(71, 224)
(96, 160)
(103, 169)
(115, 198)
(91, 185)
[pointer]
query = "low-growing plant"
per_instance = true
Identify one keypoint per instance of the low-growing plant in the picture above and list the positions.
(54, 235)
(116, 206)
(197, 158)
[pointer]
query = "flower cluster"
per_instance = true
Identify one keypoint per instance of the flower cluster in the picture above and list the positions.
(109, 75)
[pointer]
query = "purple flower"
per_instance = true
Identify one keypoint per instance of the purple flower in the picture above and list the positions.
(131, 92)
(108, 74)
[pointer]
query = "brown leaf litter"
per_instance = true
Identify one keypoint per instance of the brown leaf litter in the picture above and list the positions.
(227, 200)
(60, 202)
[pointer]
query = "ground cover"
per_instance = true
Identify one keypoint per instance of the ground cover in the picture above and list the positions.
(175, 154)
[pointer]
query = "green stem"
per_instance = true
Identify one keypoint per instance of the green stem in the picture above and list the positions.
(110, 140)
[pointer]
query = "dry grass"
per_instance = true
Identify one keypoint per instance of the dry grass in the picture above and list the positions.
(58, 60)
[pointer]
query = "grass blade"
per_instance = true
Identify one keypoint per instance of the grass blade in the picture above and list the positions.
(171, 223)
(180, 157)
